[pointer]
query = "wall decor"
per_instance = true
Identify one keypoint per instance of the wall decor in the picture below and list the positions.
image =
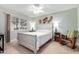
(50, 19)
(45, 20)
(23, 24)
(15, 22)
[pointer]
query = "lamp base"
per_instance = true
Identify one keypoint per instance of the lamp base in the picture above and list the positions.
(32, 31)
(56, 30)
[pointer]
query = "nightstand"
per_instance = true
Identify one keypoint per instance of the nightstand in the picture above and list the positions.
(57, 36)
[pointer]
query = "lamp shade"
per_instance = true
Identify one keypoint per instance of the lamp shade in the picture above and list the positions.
(32, 26)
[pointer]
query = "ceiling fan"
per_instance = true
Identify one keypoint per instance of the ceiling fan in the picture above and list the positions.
(37, 8)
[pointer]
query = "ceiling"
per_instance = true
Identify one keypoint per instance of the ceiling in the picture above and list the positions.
(26, 9)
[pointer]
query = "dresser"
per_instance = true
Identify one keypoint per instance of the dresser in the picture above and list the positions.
(1, 42)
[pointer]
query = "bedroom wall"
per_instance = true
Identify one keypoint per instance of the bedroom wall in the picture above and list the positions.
(13, 32)
(3, 22)
(67, 19)
(78, 25)
(78, 18)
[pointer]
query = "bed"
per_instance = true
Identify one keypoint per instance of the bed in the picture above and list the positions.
(34, 40)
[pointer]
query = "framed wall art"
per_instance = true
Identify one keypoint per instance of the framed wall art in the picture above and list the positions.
(45, 20)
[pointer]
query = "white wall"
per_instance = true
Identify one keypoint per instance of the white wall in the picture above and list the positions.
(2, 22)
(78, 18)
(67, 20)
(78, 25)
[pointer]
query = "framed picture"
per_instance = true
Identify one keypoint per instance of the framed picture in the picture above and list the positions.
(23, 24)
(15, 22)
(46, 20)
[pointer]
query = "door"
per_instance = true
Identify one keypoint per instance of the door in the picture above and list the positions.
(7, 36)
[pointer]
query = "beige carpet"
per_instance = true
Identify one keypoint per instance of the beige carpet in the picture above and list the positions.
(50, 48)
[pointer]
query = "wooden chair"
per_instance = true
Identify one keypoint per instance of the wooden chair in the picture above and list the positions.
(69, 40)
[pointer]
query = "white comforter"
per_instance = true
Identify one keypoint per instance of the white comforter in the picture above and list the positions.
(38, 32)
(33, 40)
